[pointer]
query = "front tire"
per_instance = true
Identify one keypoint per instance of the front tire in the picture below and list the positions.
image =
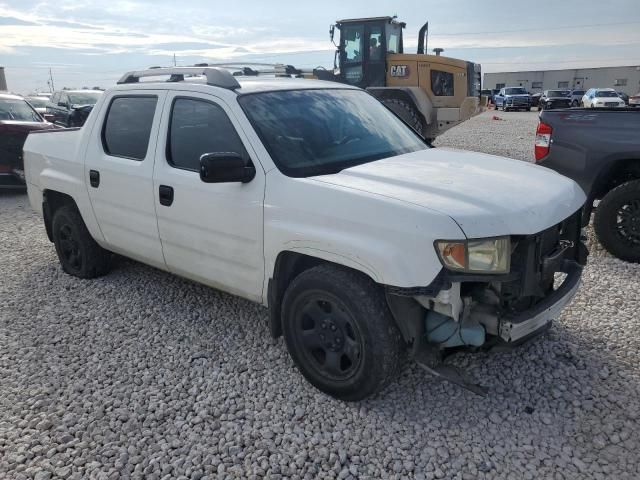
(78, 252)
(340, 332)
(406, 112)
(617, 221)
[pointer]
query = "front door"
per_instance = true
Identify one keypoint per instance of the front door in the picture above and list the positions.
(119, 173)
(210, 232)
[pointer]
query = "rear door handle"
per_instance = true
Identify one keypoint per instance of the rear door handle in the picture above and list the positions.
(166, 195)
(94, 178)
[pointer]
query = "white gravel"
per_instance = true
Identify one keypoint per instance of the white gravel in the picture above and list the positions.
(141, 374)
(509, 134)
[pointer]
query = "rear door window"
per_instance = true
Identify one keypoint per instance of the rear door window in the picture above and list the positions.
(127, 127)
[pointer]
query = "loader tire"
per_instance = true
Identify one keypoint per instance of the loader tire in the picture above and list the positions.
(406, 112)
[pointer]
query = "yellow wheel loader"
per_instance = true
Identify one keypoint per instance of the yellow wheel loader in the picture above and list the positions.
(431, 93)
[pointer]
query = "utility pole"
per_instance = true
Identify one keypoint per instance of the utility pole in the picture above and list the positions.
(50, 82)
(174, 60)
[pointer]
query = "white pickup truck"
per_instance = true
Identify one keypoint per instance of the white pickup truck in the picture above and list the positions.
(312, 198)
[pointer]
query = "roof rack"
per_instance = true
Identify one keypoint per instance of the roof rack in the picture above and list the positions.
(218, 77)
(246, 68)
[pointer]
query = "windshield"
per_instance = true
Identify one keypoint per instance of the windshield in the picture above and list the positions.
(319, 132)
(606, 93)
(84, 98)
(515, 91)
(38, 102)
(558, 93)
(18, 109)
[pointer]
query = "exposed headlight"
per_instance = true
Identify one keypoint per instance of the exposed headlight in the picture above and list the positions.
(483, 255)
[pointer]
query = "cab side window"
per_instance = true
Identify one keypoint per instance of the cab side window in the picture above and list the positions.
(127, 126)
(198, 127)
(442, 83)
(64, 98)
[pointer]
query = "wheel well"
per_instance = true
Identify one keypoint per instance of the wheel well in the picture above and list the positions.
(52, 201)
(390, 94)
(620, 172)
(288, 266)
(405, 311)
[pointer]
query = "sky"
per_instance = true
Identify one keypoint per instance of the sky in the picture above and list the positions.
(90, 43)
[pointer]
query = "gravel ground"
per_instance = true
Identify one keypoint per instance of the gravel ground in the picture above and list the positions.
(141, 374)
(510, 136)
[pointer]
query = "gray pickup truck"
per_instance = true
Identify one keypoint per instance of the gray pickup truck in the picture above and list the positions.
(600, 150)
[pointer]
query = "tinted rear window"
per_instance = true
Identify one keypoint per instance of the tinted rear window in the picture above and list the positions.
(127, 127)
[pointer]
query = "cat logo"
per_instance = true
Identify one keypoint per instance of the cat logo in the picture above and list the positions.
(399, 70)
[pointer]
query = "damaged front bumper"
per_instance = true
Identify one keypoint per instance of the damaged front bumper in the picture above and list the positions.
(516, 327)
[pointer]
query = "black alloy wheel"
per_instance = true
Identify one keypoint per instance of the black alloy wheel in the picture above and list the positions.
(78, 252)
(69, 247)
(617, 221)
(329, 338)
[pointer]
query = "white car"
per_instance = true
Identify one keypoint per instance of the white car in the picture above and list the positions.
(602, 98)
(634, 100)
(315, 200)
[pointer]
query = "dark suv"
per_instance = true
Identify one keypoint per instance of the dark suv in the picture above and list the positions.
(70, 108)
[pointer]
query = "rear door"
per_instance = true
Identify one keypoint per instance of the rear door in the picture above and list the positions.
(119, 173)
(210, 232)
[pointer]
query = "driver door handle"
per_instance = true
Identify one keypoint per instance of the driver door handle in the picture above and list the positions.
(165, 193)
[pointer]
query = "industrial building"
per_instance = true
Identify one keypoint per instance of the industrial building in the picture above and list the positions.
(623, 79)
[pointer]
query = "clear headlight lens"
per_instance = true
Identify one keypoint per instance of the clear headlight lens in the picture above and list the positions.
(484, 255)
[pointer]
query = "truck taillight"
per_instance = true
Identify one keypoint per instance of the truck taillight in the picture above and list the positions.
(543, 141)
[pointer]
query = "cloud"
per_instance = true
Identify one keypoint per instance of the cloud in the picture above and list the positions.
(14, 21)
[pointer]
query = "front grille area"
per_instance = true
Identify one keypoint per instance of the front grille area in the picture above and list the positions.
(518, 101)
(536, 259)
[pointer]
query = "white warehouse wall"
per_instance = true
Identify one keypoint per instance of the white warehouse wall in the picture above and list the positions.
(604, 77)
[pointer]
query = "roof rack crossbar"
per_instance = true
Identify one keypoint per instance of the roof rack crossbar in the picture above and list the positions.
(215, 76)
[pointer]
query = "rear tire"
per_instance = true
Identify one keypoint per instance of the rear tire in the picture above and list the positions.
(617, 221)
(406, 112)
(78, 252)
(340, 332)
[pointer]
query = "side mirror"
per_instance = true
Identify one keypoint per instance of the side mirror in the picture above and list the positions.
(225, 167)
(332, 29)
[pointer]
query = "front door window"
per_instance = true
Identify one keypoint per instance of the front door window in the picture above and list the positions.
(375, 44)
(352, 54)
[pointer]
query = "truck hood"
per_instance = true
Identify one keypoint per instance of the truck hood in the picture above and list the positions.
(485, 194)
(15, 126)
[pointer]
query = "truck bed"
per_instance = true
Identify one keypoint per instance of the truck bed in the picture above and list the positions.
(587, 142)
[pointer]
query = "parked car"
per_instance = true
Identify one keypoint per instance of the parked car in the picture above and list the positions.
(17, 119)
(601, 151)
(70, 108)
(513, 98)
(624, 97)
(39, 104)
(535, 99)
(555, 99)
(576, 97)
(602, 98)
(634, 100)
(363, 241)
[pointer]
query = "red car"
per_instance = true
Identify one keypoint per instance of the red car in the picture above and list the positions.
(17, 119)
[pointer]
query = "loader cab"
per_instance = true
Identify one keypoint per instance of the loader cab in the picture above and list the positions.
(364, 45)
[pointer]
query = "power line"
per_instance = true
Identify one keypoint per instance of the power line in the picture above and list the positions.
(536, 29)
